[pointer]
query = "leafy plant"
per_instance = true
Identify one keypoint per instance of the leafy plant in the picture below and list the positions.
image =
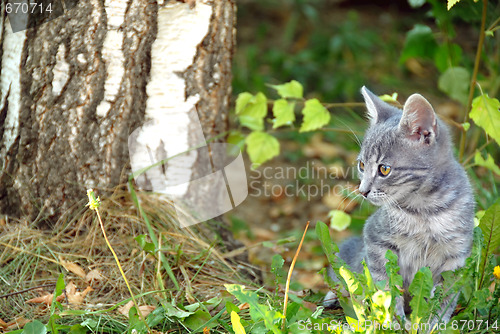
(251, 112)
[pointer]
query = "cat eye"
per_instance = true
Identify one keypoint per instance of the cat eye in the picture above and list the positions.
(384, 170)
(361, 166)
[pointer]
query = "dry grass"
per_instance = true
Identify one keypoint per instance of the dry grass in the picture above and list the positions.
(31, 257)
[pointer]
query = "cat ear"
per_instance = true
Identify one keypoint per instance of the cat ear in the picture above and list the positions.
(378, 110)
(418, 122)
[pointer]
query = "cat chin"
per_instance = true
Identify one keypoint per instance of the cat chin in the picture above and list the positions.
(376, 201)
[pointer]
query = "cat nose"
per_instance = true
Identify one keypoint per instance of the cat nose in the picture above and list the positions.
(364, 193)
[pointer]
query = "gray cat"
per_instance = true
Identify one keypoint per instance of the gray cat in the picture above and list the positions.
(426, 215)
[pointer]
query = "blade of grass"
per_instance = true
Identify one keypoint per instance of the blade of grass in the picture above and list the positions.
(152, 234)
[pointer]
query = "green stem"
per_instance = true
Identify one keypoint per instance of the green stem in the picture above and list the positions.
(470, 157)
(473, 81)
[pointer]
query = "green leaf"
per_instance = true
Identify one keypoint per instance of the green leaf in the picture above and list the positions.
(480, 298)
(262, 147)
(236, 323)
(392, 268)
(35, 327)
(355, 289)
(78, 329)
(134, 321)
(257, 311)
(174, 311)
(448, 55)
(329, 247)
(466, 126)
(488, 163)
(251, 110)
(60, 286)
(277, 265)
(236, 138)
(369, 279)
(283, 113)
(148, 247)
(339, 220)
(353, 284)
(419, 43)
(192, 307)
(490, 226)
(198, 319)
(452, 3)
(381, 302)
(420, 288)
(242, 100)
(395, 279)
(230, 307)
(315, 116)
(291, 89)
(455, 82)
(485, 113)
(382, 299)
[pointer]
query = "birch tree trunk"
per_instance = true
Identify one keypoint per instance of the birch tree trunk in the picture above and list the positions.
(73, 89)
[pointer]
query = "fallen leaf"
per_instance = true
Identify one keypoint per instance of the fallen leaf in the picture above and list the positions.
(17, 323)
(45, 299)
(144, 309)
(94, 275)
(73, 267)
(76, 297)
(244, 306)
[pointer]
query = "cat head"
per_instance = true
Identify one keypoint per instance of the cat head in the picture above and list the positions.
(401, 150)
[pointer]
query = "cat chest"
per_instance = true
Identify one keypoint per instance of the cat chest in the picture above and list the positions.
(427, 244)
(423, 251)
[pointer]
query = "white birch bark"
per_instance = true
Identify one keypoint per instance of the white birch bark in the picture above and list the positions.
(73, 90)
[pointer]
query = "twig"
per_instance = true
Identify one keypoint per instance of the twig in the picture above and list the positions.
(290, 276)
(473, 80)
(474, 154)
(27, 290)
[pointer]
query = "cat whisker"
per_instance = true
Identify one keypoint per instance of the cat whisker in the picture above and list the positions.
(352, 131)
(355, 197)
(347, 196)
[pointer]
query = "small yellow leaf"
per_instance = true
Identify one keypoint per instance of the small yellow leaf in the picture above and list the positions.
(237, 326)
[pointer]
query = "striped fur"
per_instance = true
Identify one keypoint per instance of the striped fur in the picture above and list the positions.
(426, 202)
